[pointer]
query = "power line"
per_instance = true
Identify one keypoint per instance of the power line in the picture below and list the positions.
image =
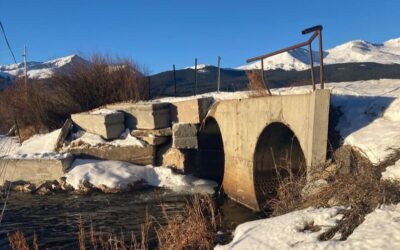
(8, 44)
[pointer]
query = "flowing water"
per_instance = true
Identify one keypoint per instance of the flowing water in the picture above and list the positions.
(55, 218)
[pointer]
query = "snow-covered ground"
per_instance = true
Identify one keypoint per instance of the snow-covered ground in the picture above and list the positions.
(118, 175)
(380, 230)
(351, 52)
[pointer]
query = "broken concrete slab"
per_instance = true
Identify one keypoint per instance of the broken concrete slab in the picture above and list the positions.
(191, 111)
(184, 130)
(134, 154)
(65, 130)
(185, 142)
(106, 125)
(155, 140)
(184, 135)
(180, 159)
(35, 171)
(152, 132)
(144, 115)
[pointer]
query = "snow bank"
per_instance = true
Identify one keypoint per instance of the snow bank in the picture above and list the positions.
(116, 174)
(284, 232)
(380, 230)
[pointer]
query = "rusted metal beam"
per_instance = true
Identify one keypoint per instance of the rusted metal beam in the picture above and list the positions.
(311, 66)
(321, 61)
(299, 45)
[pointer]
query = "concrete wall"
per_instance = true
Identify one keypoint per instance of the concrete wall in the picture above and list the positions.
(241, 123)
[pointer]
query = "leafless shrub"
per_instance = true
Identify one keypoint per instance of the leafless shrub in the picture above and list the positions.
(256, 84)
(45, 104)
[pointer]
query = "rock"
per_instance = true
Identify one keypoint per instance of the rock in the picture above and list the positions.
(108, 190)
(314, 187)
(180, 159)
(22, 187)
(64, 186)
(85, 188)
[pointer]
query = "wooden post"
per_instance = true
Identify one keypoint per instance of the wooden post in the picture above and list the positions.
(25, 71)
(195, 76)
(219, 74)
(149, 83)
(263, 77)
(174, 81)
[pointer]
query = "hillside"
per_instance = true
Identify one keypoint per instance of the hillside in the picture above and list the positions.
(356, 51)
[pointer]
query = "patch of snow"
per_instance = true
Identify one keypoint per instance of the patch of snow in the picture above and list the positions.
(126, 139)
(380, 230)
(40, 146)
(116, 174)
(103, 111)
(392, 172)
(199, 66)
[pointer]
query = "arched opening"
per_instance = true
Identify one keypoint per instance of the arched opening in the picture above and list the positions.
(211, 150)
(278, 155)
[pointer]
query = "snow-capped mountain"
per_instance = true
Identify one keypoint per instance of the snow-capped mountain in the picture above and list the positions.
(40, 70)
(356, 51)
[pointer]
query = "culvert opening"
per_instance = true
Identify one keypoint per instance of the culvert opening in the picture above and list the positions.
(278, 154)
(211, 149)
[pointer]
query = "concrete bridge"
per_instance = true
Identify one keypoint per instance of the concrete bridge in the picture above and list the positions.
(243, 141)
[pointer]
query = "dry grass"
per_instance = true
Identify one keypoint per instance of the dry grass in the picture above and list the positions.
(195, 228)
(361, 190)
(45, 104)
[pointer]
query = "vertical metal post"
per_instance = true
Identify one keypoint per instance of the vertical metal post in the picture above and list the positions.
(311, 65)
(219, 74)
(195, 76)
(263, 77)
(321, 60)
(149, 83)
(174, 81)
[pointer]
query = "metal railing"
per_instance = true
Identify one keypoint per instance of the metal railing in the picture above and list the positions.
(317, 31)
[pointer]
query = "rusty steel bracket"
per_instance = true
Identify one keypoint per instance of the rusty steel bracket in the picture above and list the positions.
(317, 31)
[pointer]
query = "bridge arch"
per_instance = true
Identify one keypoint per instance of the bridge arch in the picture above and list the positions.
(211, 148)
(278, 153)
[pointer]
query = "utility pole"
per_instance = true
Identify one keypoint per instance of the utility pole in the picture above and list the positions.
(25, 71)
(219, 74)
(195, 76)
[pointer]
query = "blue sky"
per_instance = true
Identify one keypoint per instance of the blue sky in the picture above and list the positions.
(161, 33)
